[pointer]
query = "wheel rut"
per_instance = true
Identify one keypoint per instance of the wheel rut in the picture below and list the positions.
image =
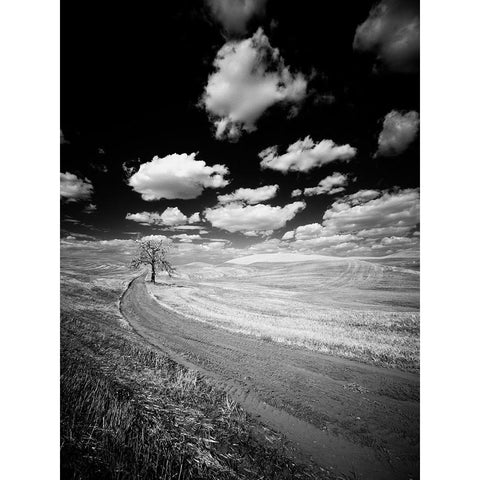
(342, 415)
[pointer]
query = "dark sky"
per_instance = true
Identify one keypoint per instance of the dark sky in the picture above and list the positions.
(132, 79)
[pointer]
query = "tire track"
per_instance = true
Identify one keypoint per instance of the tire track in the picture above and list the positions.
(343, 415)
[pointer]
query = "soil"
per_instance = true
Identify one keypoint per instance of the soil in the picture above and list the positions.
(354, 419)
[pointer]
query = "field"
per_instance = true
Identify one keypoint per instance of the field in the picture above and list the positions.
(151, 391)
(363, 309)
(128, 411)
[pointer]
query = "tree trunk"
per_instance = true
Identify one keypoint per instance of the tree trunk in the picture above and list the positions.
(153, 274)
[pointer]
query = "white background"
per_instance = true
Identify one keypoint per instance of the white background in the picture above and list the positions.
(29, 209)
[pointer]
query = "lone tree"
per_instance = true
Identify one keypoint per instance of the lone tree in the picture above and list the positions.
(153, 253)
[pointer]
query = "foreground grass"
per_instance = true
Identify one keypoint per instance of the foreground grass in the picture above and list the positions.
(129, 412)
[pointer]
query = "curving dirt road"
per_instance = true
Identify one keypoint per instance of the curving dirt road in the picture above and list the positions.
(344, 415)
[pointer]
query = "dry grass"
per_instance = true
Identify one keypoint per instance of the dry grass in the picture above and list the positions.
(129, 412)
(355, 309)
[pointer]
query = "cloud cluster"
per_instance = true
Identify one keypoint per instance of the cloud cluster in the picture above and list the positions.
(234, 15)
(399, 131)
(74, 189)
(177, 176)
(252, 219)
(365, 222)
(304, 155)
(392, 33)
(250, 76)
(330, 185)
(390, 209)
(171, 216)
(250, 195)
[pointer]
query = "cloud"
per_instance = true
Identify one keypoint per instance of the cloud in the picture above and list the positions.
(79, 236)
(195, 217)
(90, 208)
(272, 245)
(74, 189)
(250, 76)
(250, 195)
(170, 217)
(399, 131)
(145, 218)
(173, 216)
(288, 235)
(177, 176)
(381, 232)
(63, 140)
(392, 33)
(367, 222)
(330, 185)
(296, 193)
(186, 238)
(389, 241)
(304, 155)
(234, 15)
(71, 220)
(312, 230)
(187, 227)
(260, 218)
(390, 209)
(363, 196)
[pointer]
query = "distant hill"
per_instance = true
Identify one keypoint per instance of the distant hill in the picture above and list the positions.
(197, 265)
(279, 258)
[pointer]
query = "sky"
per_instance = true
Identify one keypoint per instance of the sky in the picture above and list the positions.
(241, 126)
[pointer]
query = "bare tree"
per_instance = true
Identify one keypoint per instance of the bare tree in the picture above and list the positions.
(153, 253)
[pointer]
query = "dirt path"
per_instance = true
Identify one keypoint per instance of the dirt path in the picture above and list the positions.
(344, 415)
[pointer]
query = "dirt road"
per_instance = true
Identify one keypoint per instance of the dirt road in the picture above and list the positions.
(344, 415)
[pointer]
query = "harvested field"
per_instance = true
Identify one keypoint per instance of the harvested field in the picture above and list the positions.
(360, 309)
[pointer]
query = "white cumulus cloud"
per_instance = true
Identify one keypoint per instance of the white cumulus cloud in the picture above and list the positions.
(194, 218)
(304, 155)
(260, 218)
(74, 189)
(250, 195)
(250, 76)
(399, 131)
(330, 185)
(170, 217)
(177, 176)
(173, 216)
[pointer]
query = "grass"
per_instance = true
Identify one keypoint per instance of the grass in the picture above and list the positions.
(130, 412)
(354, 309)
